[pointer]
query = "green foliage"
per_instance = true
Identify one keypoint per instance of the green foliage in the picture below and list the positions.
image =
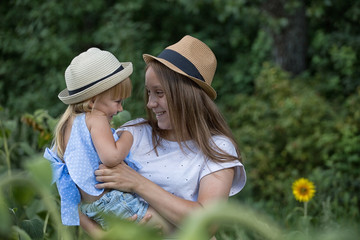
(250, 224)
(120, 119)
(15, 142)
(42, 123)
(28, 212)
(43, 36)
(125, 230)
(221, 214)
(334, 49)
(301, 135)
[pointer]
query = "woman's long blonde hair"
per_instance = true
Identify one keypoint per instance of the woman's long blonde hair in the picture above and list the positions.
(193, 115)
(122, 90)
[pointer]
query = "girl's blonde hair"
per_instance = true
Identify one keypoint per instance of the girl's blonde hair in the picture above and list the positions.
(193, 115)
(122, 90)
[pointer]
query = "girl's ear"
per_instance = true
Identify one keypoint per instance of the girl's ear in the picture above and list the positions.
(92, 102)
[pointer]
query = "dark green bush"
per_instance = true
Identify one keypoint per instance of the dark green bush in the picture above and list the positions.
(286, 131)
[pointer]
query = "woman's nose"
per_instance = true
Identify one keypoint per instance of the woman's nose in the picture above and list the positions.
(151, 102)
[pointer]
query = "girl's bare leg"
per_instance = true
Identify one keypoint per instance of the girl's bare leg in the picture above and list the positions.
(158, 221)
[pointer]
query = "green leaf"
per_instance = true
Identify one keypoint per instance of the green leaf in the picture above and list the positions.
(129, 230)
(23, 194)
(34, 208)
(22, 234)
(33, 227)
(4, 215)
(40, 170)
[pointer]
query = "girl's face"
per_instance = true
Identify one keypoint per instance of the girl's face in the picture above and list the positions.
(108, 106)
(157, 100)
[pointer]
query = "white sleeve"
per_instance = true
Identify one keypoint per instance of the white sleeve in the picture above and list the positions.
(126, 127)
(139, 133)
(211, 166)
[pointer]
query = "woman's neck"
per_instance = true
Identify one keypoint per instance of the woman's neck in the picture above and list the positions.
(170, 135)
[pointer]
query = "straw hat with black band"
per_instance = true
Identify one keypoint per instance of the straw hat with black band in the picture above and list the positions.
(191, 58)
(91, 73)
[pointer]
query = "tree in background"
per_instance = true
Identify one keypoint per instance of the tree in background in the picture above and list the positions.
(290, 34)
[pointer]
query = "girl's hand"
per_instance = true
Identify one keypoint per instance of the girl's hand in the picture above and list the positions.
(143, 221)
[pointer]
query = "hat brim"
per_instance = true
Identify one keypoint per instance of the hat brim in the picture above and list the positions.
(206, 87)
(98, 87)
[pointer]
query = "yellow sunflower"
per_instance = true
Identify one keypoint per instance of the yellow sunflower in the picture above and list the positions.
(303, 190)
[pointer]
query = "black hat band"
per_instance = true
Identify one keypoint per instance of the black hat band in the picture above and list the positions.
(72, 92)
(181, 62)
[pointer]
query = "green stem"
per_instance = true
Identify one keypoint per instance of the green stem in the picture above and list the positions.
(305, 218)
(6, 150)
(46, 222)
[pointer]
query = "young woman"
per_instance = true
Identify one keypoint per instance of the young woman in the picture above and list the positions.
(185, 146)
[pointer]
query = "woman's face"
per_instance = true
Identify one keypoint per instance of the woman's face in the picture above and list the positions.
(157, 100)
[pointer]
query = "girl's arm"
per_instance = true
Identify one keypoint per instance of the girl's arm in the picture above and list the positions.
(214, 186)
(90, 226)
(110, 152)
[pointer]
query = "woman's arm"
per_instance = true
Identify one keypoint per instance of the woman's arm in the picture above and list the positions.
(213, 187)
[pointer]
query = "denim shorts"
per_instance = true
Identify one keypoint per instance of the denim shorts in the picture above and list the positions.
(115, 203)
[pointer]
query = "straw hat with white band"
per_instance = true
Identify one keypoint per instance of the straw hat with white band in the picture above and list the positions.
(192, 58)
(91, 73)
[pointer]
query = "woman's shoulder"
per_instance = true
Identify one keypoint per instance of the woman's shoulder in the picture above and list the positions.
(135, 125)
(222, 141)
(136, 121)
(140, 130)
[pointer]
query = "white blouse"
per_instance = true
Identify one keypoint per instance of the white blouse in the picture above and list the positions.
(179, 171)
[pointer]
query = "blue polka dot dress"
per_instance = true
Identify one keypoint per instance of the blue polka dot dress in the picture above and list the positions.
(81, 161)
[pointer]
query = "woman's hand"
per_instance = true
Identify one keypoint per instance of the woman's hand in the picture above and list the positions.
(120, 177)
(123, 178)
